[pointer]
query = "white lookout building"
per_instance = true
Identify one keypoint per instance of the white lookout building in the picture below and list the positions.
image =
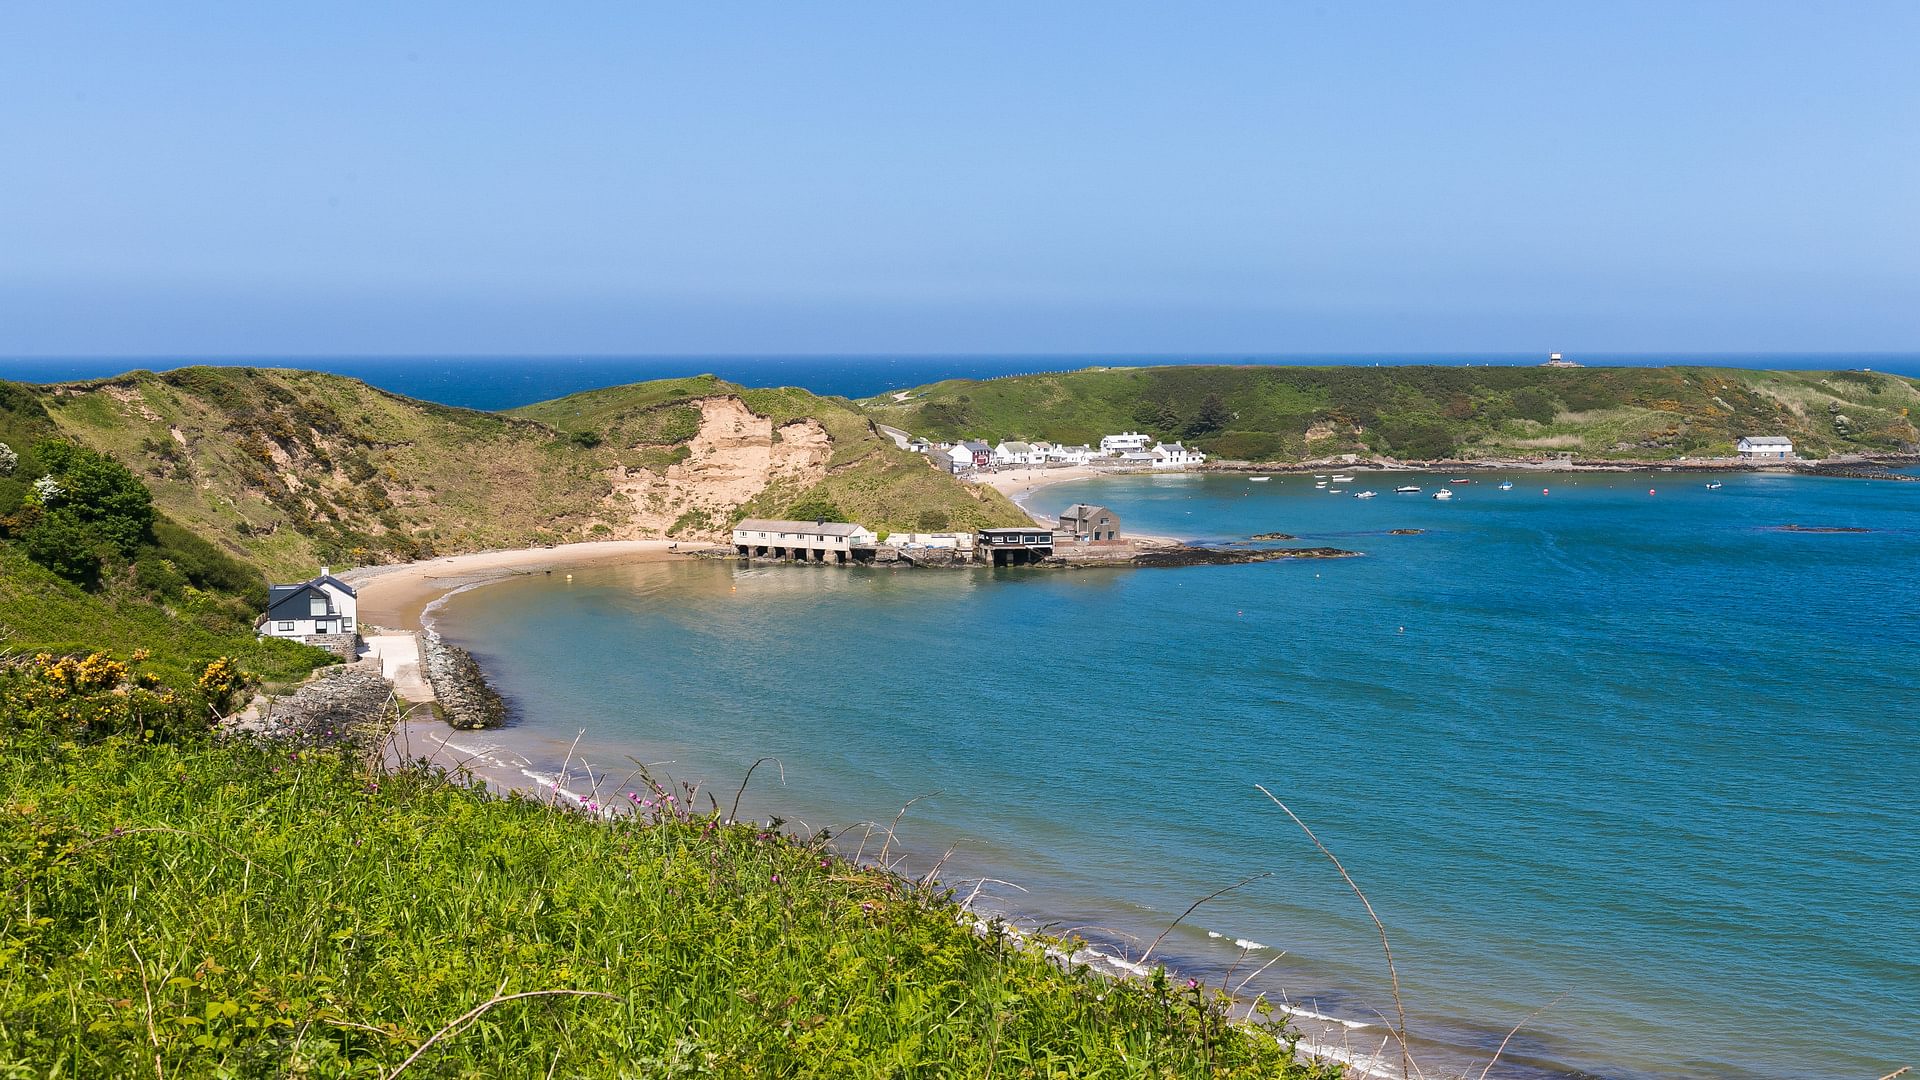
(1764, 448)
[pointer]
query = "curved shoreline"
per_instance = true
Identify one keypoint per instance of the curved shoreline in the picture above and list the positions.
(399, 595)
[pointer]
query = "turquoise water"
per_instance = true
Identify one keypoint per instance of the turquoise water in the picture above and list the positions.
(1645, 757)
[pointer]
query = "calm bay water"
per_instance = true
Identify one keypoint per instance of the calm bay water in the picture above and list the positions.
(1643, 756)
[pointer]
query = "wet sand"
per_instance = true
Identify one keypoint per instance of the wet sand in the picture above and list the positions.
(397, 596)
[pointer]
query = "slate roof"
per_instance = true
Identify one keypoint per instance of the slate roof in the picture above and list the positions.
(813, 528)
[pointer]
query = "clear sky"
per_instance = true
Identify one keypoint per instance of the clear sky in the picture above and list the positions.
(183, 178)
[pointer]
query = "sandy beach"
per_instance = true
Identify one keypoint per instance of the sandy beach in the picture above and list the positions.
(396, 596)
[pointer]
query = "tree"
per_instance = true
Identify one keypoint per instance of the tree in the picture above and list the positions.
(1212, 417)
(100, 493)
(61, 542)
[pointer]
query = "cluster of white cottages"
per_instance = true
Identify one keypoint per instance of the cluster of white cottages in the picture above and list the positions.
(1131, 448)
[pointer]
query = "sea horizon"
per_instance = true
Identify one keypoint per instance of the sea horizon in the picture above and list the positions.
(507, 381)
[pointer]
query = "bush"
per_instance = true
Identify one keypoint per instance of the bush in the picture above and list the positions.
(61, 542)
(82, 699)
(816, 508)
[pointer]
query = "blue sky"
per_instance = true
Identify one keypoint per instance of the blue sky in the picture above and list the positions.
(737, 177)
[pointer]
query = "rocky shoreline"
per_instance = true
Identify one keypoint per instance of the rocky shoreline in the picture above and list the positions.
(468, 702)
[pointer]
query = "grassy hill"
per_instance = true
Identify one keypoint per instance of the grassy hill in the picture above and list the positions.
(863, 477)
(1295, 413)
(199, 909)
(287, 470)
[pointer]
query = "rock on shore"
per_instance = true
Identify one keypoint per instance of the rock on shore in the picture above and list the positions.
(337, 706)
(467, 700)
(1201, 556)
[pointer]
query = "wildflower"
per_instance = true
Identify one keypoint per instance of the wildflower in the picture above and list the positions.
(776, 879)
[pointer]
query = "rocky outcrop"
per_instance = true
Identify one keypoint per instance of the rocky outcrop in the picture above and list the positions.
(467, 700)
(339, 705)
(735, 455)
(1200, 556)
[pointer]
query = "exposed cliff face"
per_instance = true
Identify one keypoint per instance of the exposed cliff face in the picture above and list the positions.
(734, 457)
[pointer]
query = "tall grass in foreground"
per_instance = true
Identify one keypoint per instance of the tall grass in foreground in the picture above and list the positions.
(203, 909)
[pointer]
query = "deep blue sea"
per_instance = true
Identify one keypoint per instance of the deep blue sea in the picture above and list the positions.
(1617, 746)
(504, 382)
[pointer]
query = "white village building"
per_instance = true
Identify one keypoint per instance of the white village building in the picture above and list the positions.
(1070, 455)
(1764, 448)
(955, 459)
(322, 607)
(1018, 453)
(1121, 444)
(1174, 456)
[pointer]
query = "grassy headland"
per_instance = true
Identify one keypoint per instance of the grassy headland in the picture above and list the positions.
(288, 469)
(1282, 414)
(195, 909)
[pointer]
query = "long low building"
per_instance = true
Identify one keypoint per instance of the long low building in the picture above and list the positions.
(803, 541)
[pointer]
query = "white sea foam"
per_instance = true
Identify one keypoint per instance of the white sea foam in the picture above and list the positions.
(1245, 944)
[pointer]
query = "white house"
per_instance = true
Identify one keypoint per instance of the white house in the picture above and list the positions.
(1070, 455)
(320, 607)
(1018, 453)
(1121, 444)
(1175, 456)
(956, 458)
(1764, 448)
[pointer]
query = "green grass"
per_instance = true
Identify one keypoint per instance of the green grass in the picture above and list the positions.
(39, 612)
(1287, 413)
(203, 910)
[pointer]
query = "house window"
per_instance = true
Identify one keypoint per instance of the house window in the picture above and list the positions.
(285, 627)
(317, 606)
(346, 626)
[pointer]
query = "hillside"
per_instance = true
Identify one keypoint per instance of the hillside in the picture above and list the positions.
(287, 469)
(1425, 413)
(691, 456)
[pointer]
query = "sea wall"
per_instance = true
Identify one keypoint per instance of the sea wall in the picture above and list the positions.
(338, 705)
(467, 700)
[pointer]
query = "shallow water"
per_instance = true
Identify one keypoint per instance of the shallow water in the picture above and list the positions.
(1640, 755)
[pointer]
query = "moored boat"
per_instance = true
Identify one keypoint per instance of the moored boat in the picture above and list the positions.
(1406, 489)
(1365, 494)
(1259, 479)
(1714, 485)
(1443, 493)
(1342, 478)
(1506, 485)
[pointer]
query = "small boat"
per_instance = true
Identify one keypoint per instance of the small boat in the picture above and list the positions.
(1342, 478)
(1409, 489)
(1336, 491)
(1459, 480)
(1506, 485)
(1715, 486)
(1319, 483)
(1365, 494)
(1319, 476)
(1259, 479)
(1443, 494)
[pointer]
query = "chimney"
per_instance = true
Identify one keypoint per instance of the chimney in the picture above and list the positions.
(324, 571)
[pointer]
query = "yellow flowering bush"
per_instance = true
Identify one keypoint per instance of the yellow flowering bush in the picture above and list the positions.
(92, 696)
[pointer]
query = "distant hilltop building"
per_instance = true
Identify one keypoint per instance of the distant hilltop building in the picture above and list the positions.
(1764, 448)
(1556, 360)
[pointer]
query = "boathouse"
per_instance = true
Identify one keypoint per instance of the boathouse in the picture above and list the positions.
(1764, 448)
(1013, 547)
(804, 541)
(1085, 523)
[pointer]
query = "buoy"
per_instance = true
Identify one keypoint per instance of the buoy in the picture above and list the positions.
(1543, 491)
(1403, 629)
(569, 577)
(1649, 491)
